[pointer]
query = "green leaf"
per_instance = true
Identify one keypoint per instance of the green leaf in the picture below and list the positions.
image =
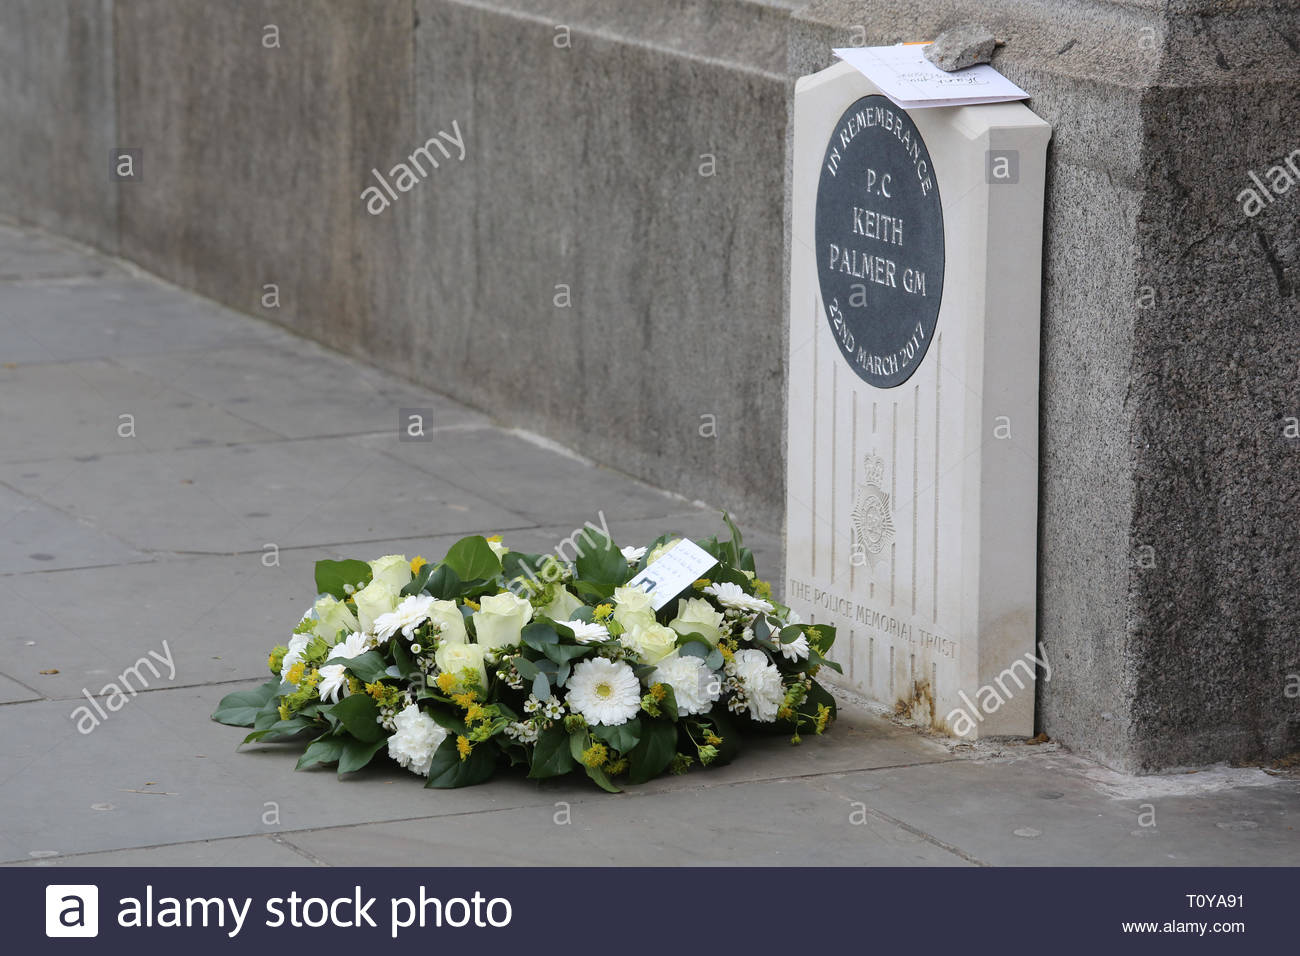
(564, 653)
(694, 646)
(360, 717)
(368, 667)
(600, 561)
(282, 730)
(538, 635)
(240, 708)
(737, 541)
(517, 564)
(321, 750)
(551, 756)
(654, 752)
(356, 754)
(448, 771)
(602, 779)
(527, 669)
(419, 581)
(332, 575)
(623, 737)
(443, 583)
(472, 559)
(541, 686)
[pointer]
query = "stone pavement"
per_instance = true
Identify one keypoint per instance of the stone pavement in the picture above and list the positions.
(170, 471)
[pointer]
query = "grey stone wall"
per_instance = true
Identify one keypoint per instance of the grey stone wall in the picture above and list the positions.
(1170, 348)
(1169, 491)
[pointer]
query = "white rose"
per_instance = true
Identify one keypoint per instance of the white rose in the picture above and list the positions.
(332, 616)
(697, 616)
(393, 569)
(373, 600)
(454, 658)
(632, 608)
(562, 605)
(447, 615)
(500, 618)
(652, 643)
(663, 549)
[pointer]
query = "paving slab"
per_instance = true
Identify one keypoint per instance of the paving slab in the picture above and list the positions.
(13, 691)
(25, 254)
(540, 482)
(98, 408)
(1047, 811)
(220, 616)
(36, 537)
(245, 497)
(59, 321)
(236, 851)
(172, 775)
(779, 823)
(300, 390)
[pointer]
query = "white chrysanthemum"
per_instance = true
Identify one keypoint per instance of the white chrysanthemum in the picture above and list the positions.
(796, 650)
(354, 645)
(734, 596)
(695, 687)
(297, 647)
(632, 555)
(416, 737)
(333, 686)
(410, 614)
(604, 692)
(761, 681)
(586, 632)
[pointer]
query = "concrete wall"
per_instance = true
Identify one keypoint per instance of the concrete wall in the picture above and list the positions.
(1169, 492)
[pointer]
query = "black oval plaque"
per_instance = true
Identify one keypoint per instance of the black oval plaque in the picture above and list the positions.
(879, 234)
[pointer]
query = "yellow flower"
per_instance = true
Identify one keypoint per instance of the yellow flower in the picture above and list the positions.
(463, 701)
(295, 673)
(617, 767)
(494, 537)
(595, 755)
(823, 717)
(474, 713)
(447, 682)
(727, 653)
(471, 604)
(657, 691)
(711, 738)
(602, 613)
(464, 747)
(701, 584)
(762, 588)
(417, 562)
(284, 711)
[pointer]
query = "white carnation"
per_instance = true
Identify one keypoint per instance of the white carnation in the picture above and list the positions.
(695, 687)
(416, 737)
(761, 683)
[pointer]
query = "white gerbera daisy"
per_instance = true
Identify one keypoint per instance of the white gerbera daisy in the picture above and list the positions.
(695, 687)
(333, 685)
(297, 647)
(761, 683)
(354, 645)
(796, 650)
(585, 632)
(410, 614)
(415, 738)
(734, 596)
(604, 692)
(633, 555)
